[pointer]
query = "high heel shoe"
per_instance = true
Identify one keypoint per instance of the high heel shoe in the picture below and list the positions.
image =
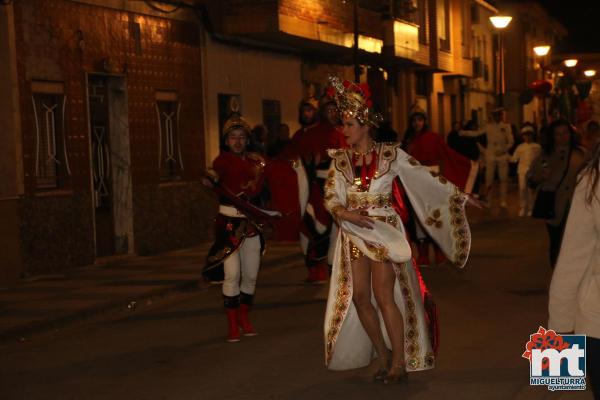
(381, 373)
(398, 377)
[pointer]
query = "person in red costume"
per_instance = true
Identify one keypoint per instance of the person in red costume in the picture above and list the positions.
(290, 193)
(430, 150)
(238, 176)
(311, 145)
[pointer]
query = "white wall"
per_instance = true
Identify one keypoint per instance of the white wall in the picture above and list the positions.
(255, 75)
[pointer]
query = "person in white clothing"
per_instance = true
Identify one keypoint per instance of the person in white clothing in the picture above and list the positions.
(574, 302)
(524, 154)
(499, 141)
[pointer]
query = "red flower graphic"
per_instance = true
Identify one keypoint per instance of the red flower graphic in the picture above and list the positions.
(544, 339)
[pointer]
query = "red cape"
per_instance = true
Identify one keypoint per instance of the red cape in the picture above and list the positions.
(430, 149)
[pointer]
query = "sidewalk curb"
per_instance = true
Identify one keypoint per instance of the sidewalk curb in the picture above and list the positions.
(21, 333)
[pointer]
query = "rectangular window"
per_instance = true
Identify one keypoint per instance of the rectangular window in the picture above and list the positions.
(51, 158)
(477, 67)
(406, 10)
(443, 24)
(169, 153)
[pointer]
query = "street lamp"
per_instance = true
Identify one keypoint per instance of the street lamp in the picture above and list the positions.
(542, 51)
(571, 62)
(500, 22)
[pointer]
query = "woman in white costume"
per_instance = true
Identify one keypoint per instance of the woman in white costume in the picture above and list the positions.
(375, 302)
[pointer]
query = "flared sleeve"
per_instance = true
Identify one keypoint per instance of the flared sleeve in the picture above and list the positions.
(335, 185)
(438, 205)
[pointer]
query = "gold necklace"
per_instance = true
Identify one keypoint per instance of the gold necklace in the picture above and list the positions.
(369, 151)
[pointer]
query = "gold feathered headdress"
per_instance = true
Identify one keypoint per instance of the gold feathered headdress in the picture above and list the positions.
(236, 122)
(353, 100)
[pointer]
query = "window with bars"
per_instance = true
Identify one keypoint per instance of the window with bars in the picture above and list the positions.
(169, 154)
(51, 158)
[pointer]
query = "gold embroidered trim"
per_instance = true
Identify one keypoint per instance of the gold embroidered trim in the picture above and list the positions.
(413, 161)
(355, 252)
(364, 200)
(389, 219)
(342, 301)
(387, 154)
(411, 322)
(379, 251)
(341, 163)
(441, 178)
(336, 210)
(460, 228)
(434, 219)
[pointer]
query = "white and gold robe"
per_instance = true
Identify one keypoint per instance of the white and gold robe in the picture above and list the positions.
(439, 206)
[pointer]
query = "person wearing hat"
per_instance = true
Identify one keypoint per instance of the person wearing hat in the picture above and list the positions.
(525, 154)
(499, 141)
(235, 254)
(376, 301)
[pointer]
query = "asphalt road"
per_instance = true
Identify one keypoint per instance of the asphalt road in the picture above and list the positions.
(176, 349)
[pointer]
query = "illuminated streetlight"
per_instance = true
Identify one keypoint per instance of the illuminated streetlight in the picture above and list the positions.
(541, 51)
(571, 62)
(590, 73)
(500, 21)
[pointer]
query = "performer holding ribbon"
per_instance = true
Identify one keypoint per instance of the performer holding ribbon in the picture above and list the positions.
(372, 252)
(238, 178)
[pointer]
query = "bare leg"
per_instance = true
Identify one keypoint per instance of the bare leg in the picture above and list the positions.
(361, 297)
(384, 278)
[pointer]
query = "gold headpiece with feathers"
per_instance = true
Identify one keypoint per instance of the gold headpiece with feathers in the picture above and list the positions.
(236, 122)
(353, 100)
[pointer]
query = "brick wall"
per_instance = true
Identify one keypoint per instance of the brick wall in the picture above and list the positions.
(59, 40)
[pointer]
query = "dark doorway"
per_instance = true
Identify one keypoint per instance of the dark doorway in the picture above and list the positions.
(272, 119)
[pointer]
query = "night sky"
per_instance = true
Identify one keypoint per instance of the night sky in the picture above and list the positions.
(582, 22)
